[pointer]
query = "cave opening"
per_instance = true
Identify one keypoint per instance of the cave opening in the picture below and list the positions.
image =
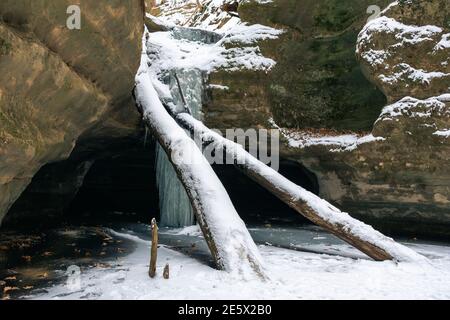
(101, 182)
(73, 212)
(122, 188)
(256, 205)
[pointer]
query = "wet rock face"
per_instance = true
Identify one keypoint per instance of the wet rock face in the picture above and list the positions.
(62, 88)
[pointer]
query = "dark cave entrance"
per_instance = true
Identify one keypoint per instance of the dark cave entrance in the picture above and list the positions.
(64, 216)
(119, 188)
(258, 206)
(117, 185)
(122, 188)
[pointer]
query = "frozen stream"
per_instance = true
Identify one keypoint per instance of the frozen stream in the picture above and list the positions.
(309, 269)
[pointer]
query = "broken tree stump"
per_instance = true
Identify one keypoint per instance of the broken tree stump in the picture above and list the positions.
(154, 249)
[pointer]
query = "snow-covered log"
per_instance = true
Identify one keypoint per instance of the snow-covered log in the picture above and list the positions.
(228, 239)
(358, 234)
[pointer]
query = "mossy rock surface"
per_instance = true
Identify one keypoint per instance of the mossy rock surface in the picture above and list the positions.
(317, 81)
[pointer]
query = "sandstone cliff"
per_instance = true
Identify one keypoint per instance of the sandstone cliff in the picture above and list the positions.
(61, 86)
(400, 182)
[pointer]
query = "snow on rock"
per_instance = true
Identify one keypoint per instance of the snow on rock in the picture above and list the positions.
(403, 58)
(236, 49)
(247, 34)
(413, 118)
(404, 71)
(336, 143)
(443, 133)
(168, 52)
(347, 142)
(218, 87)
(406, 35)
(405, 52)
(417, 108)
(444, 43)
(204, 14)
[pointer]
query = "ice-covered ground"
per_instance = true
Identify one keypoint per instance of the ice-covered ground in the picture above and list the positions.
(294, 274)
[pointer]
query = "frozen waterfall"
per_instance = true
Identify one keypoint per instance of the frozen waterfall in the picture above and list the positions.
(187, 90)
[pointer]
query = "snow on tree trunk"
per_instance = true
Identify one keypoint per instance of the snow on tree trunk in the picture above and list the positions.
(228, 239)
(358, 234)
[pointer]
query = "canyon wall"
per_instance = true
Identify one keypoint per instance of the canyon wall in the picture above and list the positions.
(62, 88)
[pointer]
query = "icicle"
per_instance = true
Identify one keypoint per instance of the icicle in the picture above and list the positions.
(174, 205)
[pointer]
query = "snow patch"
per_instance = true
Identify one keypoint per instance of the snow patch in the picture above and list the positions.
(415, 75)
(443, 133)
(348, 142)
(193, 231)
(412, 107)
(444, 43)
(341, 143)
(405, 34)
(218, 87)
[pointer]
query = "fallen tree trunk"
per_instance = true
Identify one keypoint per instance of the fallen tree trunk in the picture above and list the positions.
(317, 210)
(228, 239)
